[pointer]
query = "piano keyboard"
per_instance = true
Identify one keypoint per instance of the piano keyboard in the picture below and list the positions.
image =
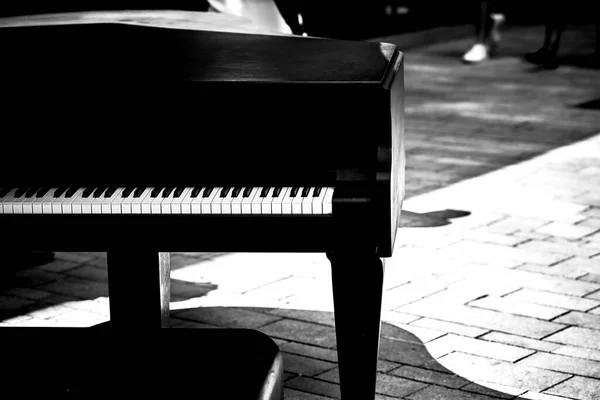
(167, 200)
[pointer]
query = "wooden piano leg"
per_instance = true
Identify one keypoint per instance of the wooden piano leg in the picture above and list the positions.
(357, 292)
(139, 289)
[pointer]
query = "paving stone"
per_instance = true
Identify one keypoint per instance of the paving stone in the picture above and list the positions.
(77, 288)
(320, 317)
(59, 265)
(486, 319)
(513, 224)
(580, 319)
(428, 376)
(28, 293)
(571, 231)
(305, 366)
(402, 352)
(577, 387)
(484, 236)
(11, 304)
(314, 386)
(395, 386)
(493, 389)
(576, 336)
(564, 247)
(228, 317)
(409, 333)
(443, 393)
(560, 363)
(77, 257)
(535, 280)
(591, 277)
(291, 394)
(309, 351)
(501, 372)
(540, 396)
(187, 290)
(553, 299)
(34, 277)
(574, 267)
(520, 341)
(89, 272)
(578, 352)
(451, 342)
(450, 327)
(300, 331)
(506, 304)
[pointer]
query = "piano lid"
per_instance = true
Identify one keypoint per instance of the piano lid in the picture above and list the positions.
(103, 52)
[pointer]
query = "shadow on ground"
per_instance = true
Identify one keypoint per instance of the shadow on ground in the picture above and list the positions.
(307, 340)
(431, 219)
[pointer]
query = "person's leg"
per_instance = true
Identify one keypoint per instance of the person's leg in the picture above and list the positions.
(479, 51)
(555, 24)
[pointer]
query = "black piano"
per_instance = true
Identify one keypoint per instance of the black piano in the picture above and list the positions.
(140, 141)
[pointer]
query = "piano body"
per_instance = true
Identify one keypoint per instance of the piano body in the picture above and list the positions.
(140, 141)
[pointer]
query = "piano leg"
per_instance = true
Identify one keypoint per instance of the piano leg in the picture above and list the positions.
(139, 289)
(357, 293)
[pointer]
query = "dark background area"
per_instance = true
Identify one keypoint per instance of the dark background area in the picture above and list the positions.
(349, 19)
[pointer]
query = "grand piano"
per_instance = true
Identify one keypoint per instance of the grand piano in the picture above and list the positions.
(143, 140)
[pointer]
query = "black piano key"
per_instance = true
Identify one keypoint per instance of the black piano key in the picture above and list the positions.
(156, 191)
(98, 192)
(196, 192)
(42, 192)
(59, 191)
(207, 192)
(317, 192)
(178, 192)
(70, 192)
(305, 192)
(109, 192)
(139, 191)
(264, 191)
(236, 192)
(225, 191)
(4, 191)
(277, 191)
(31, 191)
(294, 191)
(127, 192)
(167, 192)
(20, 192)
(87, 192)
(247, 191)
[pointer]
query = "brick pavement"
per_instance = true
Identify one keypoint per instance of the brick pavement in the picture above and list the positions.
(493, 290)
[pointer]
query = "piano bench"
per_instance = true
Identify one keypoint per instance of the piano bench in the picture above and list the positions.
(176, 363)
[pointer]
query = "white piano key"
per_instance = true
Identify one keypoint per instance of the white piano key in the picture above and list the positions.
(286, 204)
(17, 204)
(6, 206)
(28, 204)
(165, 204)
(86, 203)
(265, 204)
(277, 203)
(256, 205)
(328, 201)
(307, 202)
(113, 203)
(186, 202)
(213, 198)
(236, 203)
(47, 201)
(226, 202)
(247, 201)
(56, 204)
(146, 203)
(196, 202)
(36, 204)
(176, 202)
(317, 202)
(137, 202)
(107, 203)
(155, 207)
(97, 202)
(72, 205)
(297, 202)
(126, 203)
(215, 202)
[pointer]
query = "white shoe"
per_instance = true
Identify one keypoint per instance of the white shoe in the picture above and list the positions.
(478, 53)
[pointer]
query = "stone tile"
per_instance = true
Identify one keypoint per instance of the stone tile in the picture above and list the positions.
(513, 224)
(576, 336)
(420, 335)
(540, 396)
(188, 290)
(395, 386)
(506, 304)
(309, 351)
(78, 318)
(449, 327)
(77, 288)
(291, 394)
(443, 393)
(486, 319)
(501, 372)
(59, 265)
(567, 248)
(306, 366)
(553, 299)
(520, 341)
(300, 331)
(574, 267)
(451, 342)
(228, 317)
(428, 376)
(484, 236)
(577, 318)
(591, 277)
(89, 272)
(28, 293)
(578, 387)
(12, 304)
(402, 352)
(319, 317)
(493, 389)
(578, 352)
(535, 280)
(75, 257)
(560, 363)
(314, 386)
(393, 317)
(566, 230)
